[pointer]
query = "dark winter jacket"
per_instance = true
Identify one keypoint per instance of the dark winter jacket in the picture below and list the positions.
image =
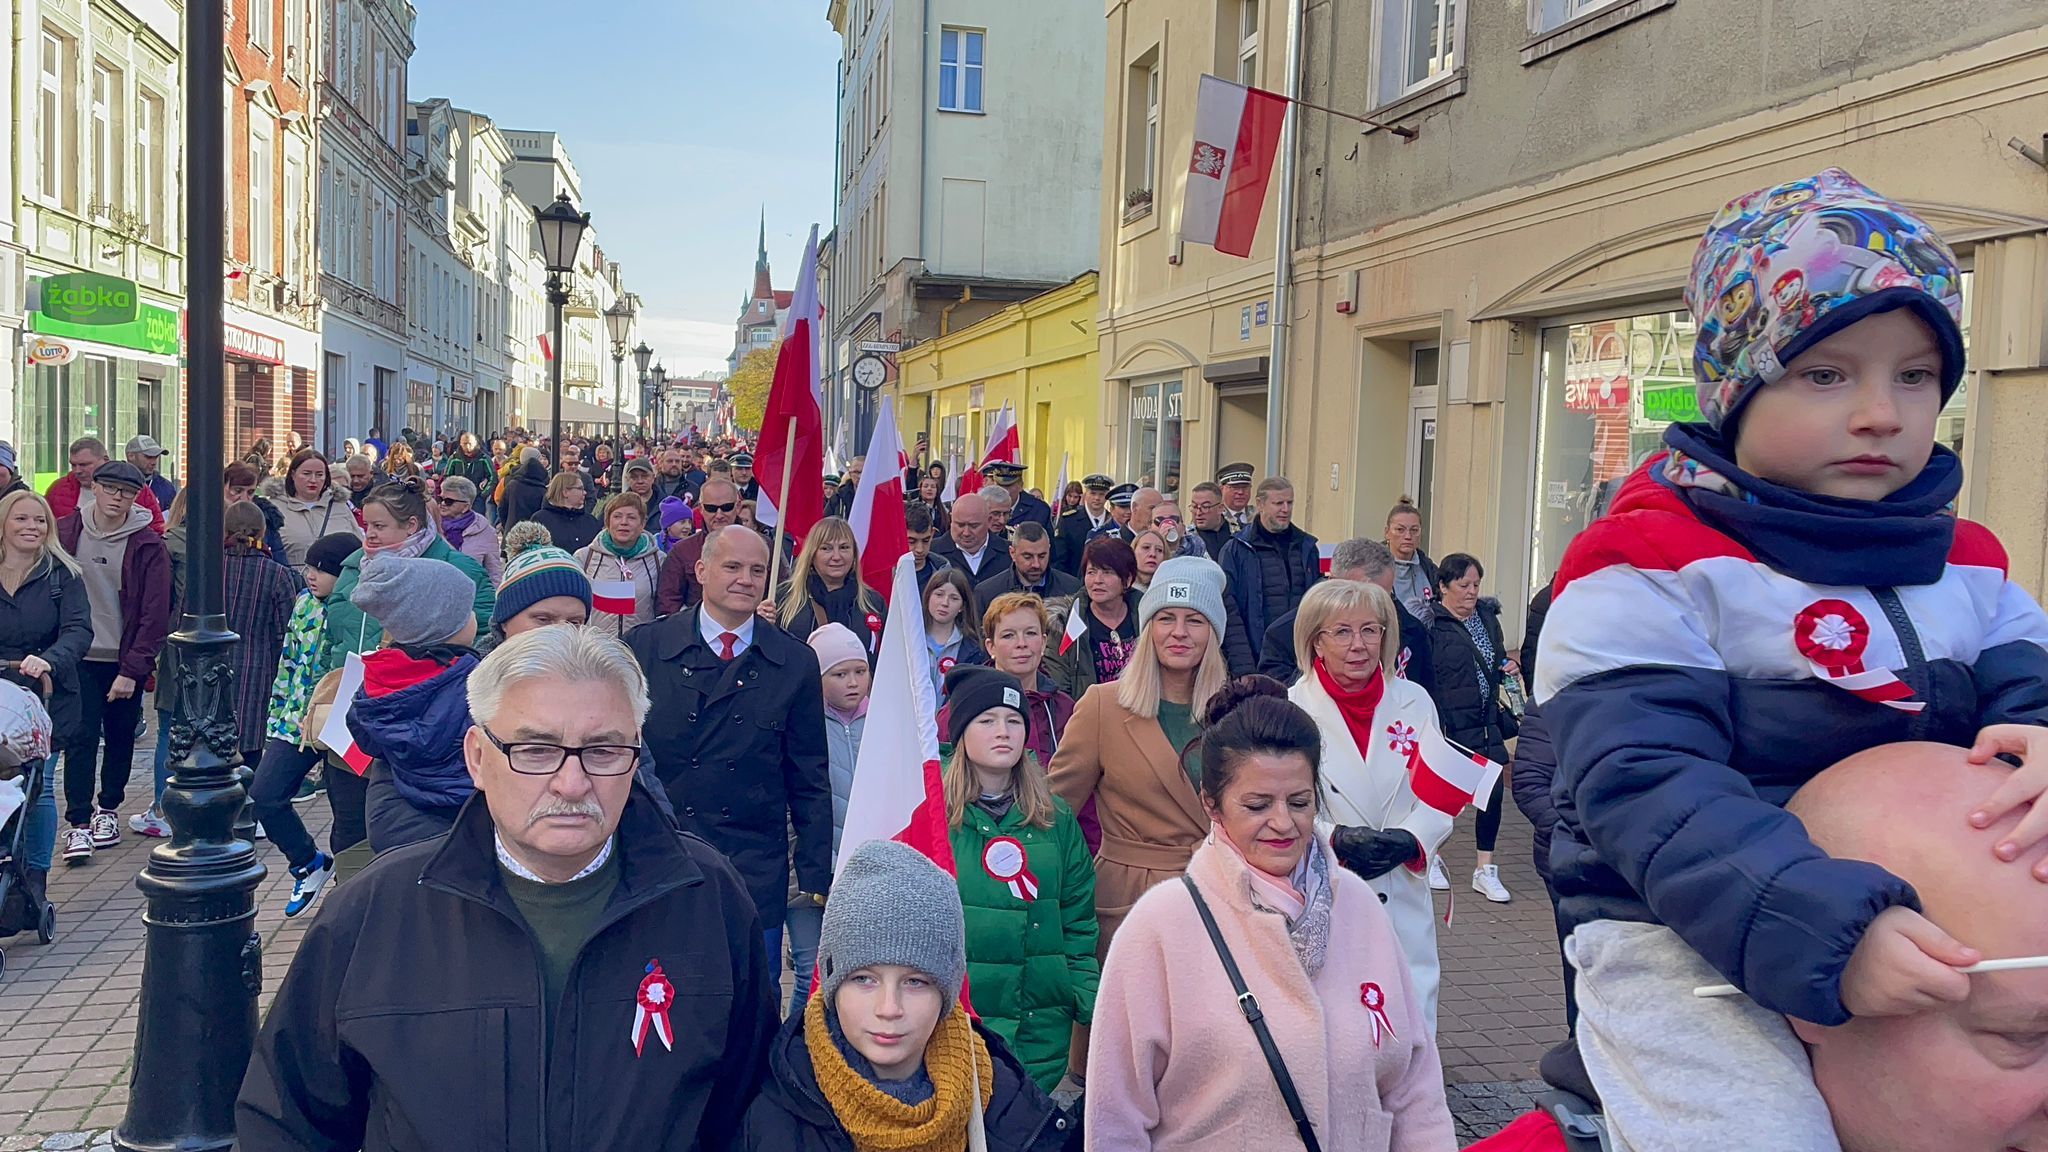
(572, 529)
(740, 748)
(1057, 584)
(273, 529)
(1416, 662)
(145, 596)
(526, 489)
(1530, 778)
(792, 1115)
(410, 1018)
(411, 717)
(995, 557)
(1467, 702)
(1070, 539)
(1539, 611)
(677, 587)
(49, 616)
(260, 594)
(1030, 509)
(1685, 711)
(1269, 575)
(854, 605)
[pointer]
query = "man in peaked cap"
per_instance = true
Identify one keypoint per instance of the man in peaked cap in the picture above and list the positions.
(1236, 481)
(1083, 524)
(1026, 508)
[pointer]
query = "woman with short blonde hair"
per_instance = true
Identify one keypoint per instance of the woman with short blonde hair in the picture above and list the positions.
(1334, 598)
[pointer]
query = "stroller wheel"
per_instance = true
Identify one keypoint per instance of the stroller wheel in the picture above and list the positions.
(3, 963)
(46, 929)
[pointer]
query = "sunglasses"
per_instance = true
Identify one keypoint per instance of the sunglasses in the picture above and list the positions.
(718, 508)
(450, 501)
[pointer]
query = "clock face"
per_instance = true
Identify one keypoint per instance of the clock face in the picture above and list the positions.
(868, 372)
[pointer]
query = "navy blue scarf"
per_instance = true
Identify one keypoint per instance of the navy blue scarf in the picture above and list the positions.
(1903, 539)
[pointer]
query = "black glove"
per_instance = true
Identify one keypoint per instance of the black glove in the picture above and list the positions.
(1372, 853)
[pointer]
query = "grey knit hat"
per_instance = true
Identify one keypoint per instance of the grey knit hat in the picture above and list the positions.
(891, 905)
(418, 601)
(1186, 582)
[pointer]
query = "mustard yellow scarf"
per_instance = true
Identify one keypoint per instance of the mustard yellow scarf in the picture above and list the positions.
(877, 1122)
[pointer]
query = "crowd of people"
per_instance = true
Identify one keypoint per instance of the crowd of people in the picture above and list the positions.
(1787, 734)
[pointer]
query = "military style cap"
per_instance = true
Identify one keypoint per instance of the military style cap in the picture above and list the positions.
(1239, 473)
(1097, 482)
(1121, 495)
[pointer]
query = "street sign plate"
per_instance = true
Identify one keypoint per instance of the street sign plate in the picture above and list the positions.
(883, 347)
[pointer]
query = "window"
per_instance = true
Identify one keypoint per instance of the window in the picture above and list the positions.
(227, 163)
(1155, 431)
(295, 37)
(1420, 42)
(106, 152)
(54, 123)
(1248, 43)
(294, 207)
(1547, 14)
(262, 26)
(262, 190)
(960, 70)
(149, 151)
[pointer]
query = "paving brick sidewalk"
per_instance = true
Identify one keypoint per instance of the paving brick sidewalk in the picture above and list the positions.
(67, 1010)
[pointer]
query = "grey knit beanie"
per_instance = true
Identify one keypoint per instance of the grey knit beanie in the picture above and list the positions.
(418, 601)
(1186, 582)
(891, 905)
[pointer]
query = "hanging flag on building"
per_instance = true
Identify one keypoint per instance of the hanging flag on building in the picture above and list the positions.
(792, 430)
(879, 530)
(1237, 133)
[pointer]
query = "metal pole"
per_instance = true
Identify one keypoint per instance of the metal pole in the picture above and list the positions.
(202, 961)
(649, 415)
(618, 397)
(1283, 255)
(558, 297)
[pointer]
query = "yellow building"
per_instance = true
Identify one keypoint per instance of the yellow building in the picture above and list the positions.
(1038, 355)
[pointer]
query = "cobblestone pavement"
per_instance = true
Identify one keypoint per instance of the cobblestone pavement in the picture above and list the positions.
(67, 1010)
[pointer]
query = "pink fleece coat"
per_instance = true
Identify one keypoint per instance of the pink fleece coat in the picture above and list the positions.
(1173, 1065)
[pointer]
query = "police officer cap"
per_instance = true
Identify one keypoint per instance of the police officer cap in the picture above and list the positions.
(743, 460)
(1002, 468)
(1097, 482)
(1121, 495)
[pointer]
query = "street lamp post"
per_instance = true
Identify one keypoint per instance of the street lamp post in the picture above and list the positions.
(641, 355)
(561, 237)
(202, 961)
(659, 377)
(618, 320)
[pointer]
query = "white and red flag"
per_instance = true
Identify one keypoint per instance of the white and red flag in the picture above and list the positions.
(1003, 445)
(335, 734)
(952, 491)
(792, 430)
(1446, 777)
(1237, 133)
(613, 597)
(1059, 491)
(547, 347)
(879, 530)
(1077, 623)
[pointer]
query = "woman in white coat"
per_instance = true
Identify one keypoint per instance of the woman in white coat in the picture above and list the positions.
(1346, 637)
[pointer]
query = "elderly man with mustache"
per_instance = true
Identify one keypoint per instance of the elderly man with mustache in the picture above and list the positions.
(563, 969)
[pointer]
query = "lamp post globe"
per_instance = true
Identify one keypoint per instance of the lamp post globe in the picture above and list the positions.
(561, 238)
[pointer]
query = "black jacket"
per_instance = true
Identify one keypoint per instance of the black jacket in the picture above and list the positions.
(410, 1019)
(1530, 776)
(1030, 508)
(994, 560)
(49, 616)
(740, 749)
(792, 1115)
(526, 489)
(572, 530)
(1467, 706)
(1215, 539)
(1071, 538)
(1057, 584)
(1419, 668)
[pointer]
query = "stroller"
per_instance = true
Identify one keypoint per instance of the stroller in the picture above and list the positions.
(24, 770)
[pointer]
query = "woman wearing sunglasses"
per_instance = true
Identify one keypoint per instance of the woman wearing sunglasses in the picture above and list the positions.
(465, 529)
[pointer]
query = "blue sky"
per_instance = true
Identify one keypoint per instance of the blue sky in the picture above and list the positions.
(685, 117)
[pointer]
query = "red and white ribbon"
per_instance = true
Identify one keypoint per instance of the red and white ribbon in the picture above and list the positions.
(1401, 738)
(1375, 1001)
(1833, 636)
(651, 1010)
(1003, 859)
(874, 631)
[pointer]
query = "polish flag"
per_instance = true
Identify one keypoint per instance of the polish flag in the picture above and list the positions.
(1447, 777)
(1237, 133)
(879, 531)
(614, 597)
(1077, 623)
(1060, 490)
(547, 347)
(952, 491)
(1004, 445)
(1325, 552)
(335, 735)
(792, 431)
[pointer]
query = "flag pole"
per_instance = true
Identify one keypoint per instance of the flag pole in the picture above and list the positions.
(782, 509)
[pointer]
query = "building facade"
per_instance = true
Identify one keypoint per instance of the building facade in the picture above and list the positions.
(272, 322)
(366, 47)
(490, 233)
(97, 92)
(968, 169)
(763, 312)
(440, 284)
(1489, 316)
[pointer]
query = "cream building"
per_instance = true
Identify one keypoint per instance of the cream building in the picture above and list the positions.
(1489, 316)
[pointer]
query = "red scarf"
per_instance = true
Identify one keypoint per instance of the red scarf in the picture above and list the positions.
(1358, 707)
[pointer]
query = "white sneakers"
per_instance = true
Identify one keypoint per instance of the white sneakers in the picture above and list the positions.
(1486, 882)
(77, 846)
(105, 828)
(149, 822)
(1439, 880)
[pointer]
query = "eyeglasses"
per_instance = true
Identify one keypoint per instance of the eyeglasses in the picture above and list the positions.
(1347, 635)
(531, 758)
(450, 501)
(718, 509)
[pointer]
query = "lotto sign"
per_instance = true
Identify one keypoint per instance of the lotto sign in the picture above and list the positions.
(43, 350)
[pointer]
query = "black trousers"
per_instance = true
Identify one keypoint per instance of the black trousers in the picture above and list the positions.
(1486, 829)
(279, 773)
(347, 798)
(100, 718)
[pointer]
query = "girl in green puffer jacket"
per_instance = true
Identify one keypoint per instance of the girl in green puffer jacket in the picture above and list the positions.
(1026, 881)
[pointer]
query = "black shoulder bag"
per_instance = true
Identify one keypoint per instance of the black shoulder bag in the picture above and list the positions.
(1249, 1005)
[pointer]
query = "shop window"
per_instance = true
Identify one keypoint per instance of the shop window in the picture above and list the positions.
(1155, 434)
(953, 448)
(419, 406)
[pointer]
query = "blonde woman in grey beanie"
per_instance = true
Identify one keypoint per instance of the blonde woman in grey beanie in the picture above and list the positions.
(885, 1056)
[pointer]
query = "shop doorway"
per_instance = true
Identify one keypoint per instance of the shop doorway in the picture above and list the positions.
(1241, 426)
(1422, 390)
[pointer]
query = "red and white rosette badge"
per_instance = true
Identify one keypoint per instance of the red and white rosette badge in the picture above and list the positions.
(1401, 738)
(1003, 859)
(655, 998)
(1375, 1001)
(874, 631)
(946, 664)
(1833, 636)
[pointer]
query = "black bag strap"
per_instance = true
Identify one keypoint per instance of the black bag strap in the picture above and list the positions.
(1249, 1005)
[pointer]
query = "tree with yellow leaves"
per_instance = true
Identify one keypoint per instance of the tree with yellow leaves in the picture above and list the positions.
(749, 386)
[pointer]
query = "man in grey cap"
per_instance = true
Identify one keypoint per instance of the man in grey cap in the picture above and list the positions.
(147, 455)
(1083, 524)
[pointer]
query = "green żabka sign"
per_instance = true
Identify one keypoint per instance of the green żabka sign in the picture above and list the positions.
(1670, 401)
(153, 329)
(90, 299)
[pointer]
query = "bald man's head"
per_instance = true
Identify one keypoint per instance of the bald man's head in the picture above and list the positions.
(733, 570)
(970, 522)
(1973, 1077)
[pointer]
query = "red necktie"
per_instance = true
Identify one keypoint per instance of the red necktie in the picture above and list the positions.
(725, 642)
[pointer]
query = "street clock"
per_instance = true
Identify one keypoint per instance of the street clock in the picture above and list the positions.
(869, 372)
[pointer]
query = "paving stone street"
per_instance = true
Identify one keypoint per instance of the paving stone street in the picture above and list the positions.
(67, 1010)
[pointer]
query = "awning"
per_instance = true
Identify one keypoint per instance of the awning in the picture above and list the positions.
(536, 411)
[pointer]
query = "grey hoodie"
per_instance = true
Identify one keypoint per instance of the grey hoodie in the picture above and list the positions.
(100, 559)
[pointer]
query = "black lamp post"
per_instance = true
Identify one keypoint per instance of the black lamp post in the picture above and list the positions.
(659, 377)
(202, 961)
(641, 355)
(618, 320)
(561, 237)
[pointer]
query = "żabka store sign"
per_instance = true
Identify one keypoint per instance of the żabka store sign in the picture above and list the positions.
(89, 299)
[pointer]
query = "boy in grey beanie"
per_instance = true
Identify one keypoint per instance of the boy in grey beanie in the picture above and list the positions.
(892, 905)
(1186, 582)
(419, 601)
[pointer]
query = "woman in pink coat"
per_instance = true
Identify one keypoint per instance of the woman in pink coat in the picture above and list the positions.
(1173, 1064)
